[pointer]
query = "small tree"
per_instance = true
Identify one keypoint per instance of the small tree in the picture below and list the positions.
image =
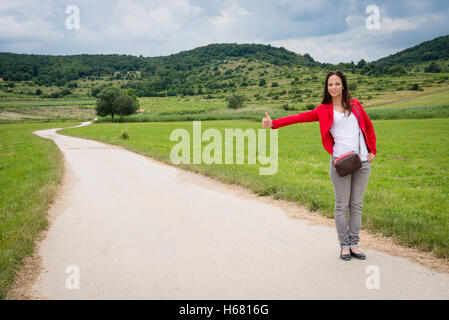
(433, 67)
(235, 101)
(396, 71)
(413, 86)
(352, 86)
(106, 101)
(361, 64)
(130, 92)
(64, 92)
(310, 106)
(125, 105)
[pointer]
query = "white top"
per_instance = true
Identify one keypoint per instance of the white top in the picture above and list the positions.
(347, 134)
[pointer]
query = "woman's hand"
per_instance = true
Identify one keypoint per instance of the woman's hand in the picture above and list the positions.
(267, 122)
(370, 157)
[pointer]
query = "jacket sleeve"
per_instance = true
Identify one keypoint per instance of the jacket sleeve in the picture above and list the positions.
(308, 116)
(369, 129)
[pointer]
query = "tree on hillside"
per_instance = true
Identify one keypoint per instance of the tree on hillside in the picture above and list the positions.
(125, 105)
(396, 71)
(433, 67)
(113, 100)
(130, 92)
(236, 101)
(361, 64)
(94, 91)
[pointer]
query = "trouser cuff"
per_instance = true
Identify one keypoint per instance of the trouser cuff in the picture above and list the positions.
(353, 246)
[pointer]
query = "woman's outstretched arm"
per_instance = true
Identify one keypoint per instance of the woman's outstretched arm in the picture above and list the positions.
(308, 116)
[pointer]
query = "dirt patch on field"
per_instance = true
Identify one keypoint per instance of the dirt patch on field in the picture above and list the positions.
(47, 112)
(8, 115)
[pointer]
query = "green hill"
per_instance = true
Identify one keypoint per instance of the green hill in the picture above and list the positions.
(433, 50)
(216, 52)
(59, 70)
(213, 69)
(430, 56)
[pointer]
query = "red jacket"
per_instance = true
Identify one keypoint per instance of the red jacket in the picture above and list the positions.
(325, 114)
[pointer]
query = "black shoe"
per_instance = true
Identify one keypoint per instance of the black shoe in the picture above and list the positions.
(360, 255)
(345, 257)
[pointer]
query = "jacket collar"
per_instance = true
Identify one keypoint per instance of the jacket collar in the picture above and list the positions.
(329, 106)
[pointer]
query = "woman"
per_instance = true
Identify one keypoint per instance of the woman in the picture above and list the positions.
(343, 129)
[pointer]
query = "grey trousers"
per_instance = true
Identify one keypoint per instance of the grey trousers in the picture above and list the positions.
(349, 192)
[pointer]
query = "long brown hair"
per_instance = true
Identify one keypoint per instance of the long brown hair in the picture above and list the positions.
(345, 95)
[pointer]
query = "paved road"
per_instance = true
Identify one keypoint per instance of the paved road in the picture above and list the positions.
(138, 229)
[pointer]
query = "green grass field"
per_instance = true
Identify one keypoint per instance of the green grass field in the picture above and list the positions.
(30, 171)
(407, 196)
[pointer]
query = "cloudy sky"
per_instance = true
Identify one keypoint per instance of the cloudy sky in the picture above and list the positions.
(330, 31)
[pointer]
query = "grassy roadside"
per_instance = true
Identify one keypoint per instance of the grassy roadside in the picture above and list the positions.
(30, 171)
(406, 196)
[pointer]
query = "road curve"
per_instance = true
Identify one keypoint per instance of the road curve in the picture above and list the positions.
(124, 226)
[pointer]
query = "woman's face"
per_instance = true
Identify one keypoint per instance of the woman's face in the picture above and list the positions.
(334, 85)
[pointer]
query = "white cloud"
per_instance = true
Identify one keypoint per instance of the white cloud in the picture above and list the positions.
(390, 25)
(33, 28)
(329, 31)
(229, 17)
(302, 7)
(355, 43)
(157, 20)
(386, 24)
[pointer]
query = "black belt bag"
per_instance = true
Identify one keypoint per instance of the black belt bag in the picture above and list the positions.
(348, 162)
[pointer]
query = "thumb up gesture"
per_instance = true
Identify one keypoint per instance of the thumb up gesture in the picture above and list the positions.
(267, 122)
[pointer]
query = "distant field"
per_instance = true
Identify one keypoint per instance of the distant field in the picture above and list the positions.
(202, 108)
(295, 87)
(20, 103)
(14, 109)
(46, 113)
(407, 196)
(167, 105)
(30, 171)
(430, 97)
(394, 113)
